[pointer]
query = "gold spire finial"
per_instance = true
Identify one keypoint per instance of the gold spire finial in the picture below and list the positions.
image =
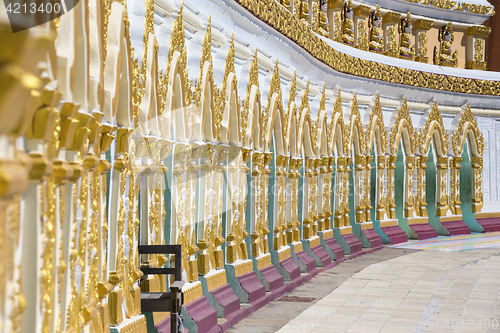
(304, 103)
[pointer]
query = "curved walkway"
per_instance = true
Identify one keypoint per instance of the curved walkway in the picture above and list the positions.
(393, 290)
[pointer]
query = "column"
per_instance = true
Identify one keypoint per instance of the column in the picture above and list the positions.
(409, 198)
(380, 199)
(255, 204)
(339, 193)
(455, 185)
(347, 170)
(117, 211)
(421, 203)
(281, 202)
(309, 207)
(360, 26)
(292, 222)
(266, 171)
(477, 181)
(220, 156)
(441, 178)
(205, 201)
(367, 187)
(421, 28)
(334, 13)
(359, 198)
(390, 25)
(475, 49)
(391, 204)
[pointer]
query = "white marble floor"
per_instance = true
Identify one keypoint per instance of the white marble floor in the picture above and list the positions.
(425, 291)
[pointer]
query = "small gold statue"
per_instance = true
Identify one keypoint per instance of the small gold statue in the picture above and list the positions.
(405, 50)
(375, 44)
(304, 11)
(286, 4)
(347, 26)
(322, 19)
(443, 56)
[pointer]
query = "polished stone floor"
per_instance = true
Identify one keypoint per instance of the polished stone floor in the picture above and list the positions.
(414, 291)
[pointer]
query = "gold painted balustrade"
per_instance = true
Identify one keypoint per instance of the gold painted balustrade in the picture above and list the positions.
(99, 146)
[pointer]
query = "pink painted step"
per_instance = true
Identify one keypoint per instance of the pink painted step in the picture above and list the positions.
(277, 287)
(424, 231)
(374, 239)
(456, 227)
(273, 277)
(165, 326)
(395, 234)
(228, 299)
(252, 285)
(202, 313)
(354, 244)
(490, 224)
(294, 270)
(291, 267)
(325, 259)
(308, 261)
(336, 248)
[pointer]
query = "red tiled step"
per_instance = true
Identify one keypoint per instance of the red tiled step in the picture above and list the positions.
(374, 239)
(354, 245)
(490, 224)
(424, 231)
(457, 227)
(395, 234)
(336, 248)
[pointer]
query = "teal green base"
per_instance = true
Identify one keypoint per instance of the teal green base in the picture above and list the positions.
(188, 322)
(327, 249)
(356, 230)
(275, 259)
(306, 245)
(303, 268)
(381, 233)
(235, 284)
(341, 241)
(468, 216)
(149, 322)
(410, 233)
(211, 299)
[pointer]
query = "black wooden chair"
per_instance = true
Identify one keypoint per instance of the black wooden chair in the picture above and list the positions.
(165, 301)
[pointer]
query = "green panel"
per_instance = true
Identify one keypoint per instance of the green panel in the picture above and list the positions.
(430, 194)
(150, 322)
(399, 184)
(466, 193)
